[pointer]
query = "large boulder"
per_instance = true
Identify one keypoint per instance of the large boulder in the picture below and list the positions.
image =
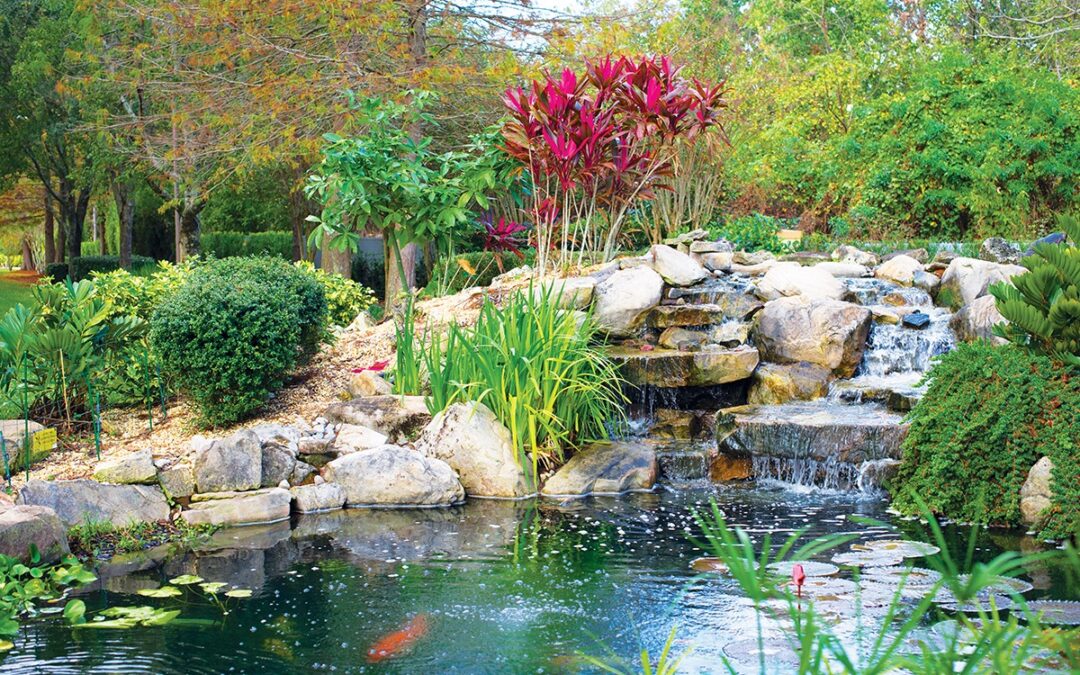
(469, 438)
(131, 468)
(666, 316)
(80, 501)
(976, 320)
(23, 528)
(572, 292)
(315, 498)
(998, 250)
(238, 508)
(353, 437)
(227, 464)
(829, 333)
(788, 279)
(677, 268)
(396, 417)
(842, 270)
(668, 368)
(852, 255)
(394, 476)
(968, 278)
(622, 301)
(900, 270)
(783, 382)
(605, 468)
(177, 480)
(1035, 494)
(278, 463)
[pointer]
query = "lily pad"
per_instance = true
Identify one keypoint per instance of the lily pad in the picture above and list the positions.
(867, 559)
(107, 623)
(163, 592)
(901, 547)
(212, 586)
(979, 604)
(810, 569)
(911, 576)
(1059, 612)
(238, 593)
(185, 580)
(709, 565)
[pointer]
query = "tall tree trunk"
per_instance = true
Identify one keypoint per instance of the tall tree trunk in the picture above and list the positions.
(99, 231)
(73, 205)
(61, 241)
(410, 253)
(50, 229)
(125, 210)
(27, 253)
(188, 233)
(335, 261)
(300, 207)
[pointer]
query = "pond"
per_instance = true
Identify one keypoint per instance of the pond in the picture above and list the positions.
(491, 586)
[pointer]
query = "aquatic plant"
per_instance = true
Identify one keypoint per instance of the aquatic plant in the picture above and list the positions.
(24, 588)
(1042, 305)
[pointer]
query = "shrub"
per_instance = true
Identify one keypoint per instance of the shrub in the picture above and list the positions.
(1042, 305)
(989, 414)
(235, 244)
(531, 363)
(233, 331)
(81, 268)
(57, 271)
(753, 232)
(345, 298)
(453, 274)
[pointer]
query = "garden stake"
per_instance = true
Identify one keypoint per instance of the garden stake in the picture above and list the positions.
(96, 416)
(3, 451)
(146, 391)
(26, 424)
(161, 392)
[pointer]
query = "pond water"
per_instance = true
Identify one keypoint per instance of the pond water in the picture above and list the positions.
(498, 587)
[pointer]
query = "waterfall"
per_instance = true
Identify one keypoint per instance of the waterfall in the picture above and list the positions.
(894, 348)
(808, 474)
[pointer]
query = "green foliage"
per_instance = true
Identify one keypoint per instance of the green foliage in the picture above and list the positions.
(258, 202)
(82, 267)
(532, 364)
(989, 414)
(468, 270)
(228, 244)
(102, 540)
(1042, 305)
(345, 298)
(57, 271)
(234, 330)
(753, 233)
(24, 587)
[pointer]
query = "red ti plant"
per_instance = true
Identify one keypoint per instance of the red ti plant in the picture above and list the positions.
(596, 144)
(503, 236)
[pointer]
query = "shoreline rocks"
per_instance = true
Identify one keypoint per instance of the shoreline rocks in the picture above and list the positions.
(394, 476)
(605, 468)
(77, 502)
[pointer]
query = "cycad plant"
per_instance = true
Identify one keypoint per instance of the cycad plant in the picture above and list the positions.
(1042, 305)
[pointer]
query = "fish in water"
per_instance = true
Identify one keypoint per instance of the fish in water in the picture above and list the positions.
(399, 641)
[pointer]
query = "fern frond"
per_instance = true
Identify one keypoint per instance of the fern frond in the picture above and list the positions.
(1027, 317)
(1038, 285)
(1071, 226)
(1066, 261)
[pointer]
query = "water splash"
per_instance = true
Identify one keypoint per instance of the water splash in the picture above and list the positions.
(894, 348)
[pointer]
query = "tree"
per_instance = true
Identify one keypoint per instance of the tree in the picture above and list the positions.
(42, 123)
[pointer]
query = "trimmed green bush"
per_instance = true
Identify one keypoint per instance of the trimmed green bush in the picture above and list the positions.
(345, 298)
(80, 268)
(57, 271)
(232, 332)
(989, 414)
(234, 244)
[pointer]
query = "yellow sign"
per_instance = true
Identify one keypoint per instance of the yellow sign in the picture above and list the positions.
(43, 440)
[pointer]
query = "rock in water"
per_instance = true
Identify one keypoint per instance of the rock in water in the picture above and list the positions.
(605, 468)
(676, 268)
(313, 498)
(394, 476)
(900, 270)
(23, 527)
(916, 320)
(239, 508)
(788, 279)
(998, 250)
(132, 468)
(469, 438)
(277, 464)
(672, 368)
(779, 383)
(233, 463)
(1035, 494)
(622, 301)
(79, 501)
(829, 333)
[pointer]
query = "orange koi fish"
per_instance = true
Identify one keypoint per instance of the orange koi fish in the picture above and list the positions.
(400, 640)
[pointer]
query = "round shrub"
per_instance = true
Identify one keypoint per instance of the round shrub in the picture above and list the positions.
(230, 334)
(988, 415)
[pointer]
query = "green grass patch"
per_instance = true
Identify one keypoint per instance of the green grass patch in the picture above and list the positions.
(16, 288)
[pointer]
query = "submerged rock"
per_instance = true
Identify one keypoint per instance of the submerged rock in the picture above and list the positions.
(917, 320)
(782, 382)
(132, 468)
(469, 438)
(815, 431)
(605, 468)
(23, 527)
(394, 476)
(622, 301)
(314, 498)
(238, 508)
(671, 368)
(829, 333)
(77, 502)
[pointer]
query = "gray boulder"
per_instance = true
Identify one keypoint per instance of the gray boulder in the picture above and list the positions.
(233, 463)
(968, 278)
(178, 480)
(469, 438)
(394, 476)
(998, 250)
(277, 464)
(976, 320)
(132, 468)
(677, 268)
(238, 508)
(1052, 238)
(79, 501)
(788, 279)
(25, 527)
(1035, 494)
(393, 416)
(605, 468)
(315, 498)
(829, 333)
(622, 301)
